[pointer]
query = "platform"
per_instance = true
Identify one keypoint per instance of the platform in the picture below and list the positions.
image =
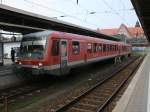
(7, 77)
(6, 68)
(136, 98)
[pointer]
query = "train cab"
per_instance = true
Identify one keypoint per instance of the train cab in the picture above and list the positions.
(40, 54)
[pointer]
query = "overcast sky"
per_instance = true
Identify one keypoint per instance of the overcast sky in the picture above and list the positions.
(88, 13)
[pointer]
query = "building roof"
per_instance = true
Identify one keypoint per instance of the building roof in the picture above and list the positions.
(142, 9)
(135, 31)
(132, 31)
(109, 32)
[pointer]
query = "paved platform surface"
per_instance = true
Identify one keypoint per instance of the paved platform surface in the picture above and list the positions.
(7, 62)
(7, 65)
(137, 96)
(7, 77)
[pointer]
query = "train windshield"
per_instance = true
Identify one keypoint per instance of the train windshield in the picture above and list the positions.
(33, 47)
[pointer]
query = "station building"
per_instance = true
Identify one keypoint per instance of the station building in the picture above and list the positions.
(133, 35)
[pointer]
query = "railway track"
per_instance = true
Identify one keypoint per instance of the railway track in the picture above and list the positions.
(5, 72)
(10, 94)
(97, 97)
(17, 92)
(13, 94)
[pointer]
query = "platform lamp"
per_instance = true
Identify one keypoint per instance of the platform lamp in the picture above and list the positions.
(87, 13)
(58, 17)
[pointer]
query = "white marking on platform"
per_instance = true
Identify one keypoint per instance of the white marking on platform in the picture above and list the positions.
(148, 97)
(5, 72)
(125, 100)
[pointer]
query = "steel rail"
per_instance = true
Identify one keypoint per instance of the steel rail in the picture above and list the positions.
(76, 99)
(119, 87)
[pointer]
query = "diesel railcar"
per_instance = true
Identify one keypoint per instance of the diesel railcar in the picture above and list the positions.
(55, 53)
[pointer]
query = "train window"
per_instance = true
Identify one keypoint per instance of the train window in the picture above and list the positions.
(75, 47)
(100, 47)
(89, 48)
(55, 48)
(97, 47)
(104, 48)
(94, 47)
(107, 47)
(111, 47)
(115, 47)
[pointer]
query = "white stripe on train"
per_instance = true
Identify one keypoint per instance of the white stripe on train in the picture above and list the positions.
(70, 64)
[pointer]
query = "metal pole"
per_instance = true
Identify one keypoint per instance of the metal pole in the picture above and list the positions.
(6, 104)
(2, 53)
(86, 15)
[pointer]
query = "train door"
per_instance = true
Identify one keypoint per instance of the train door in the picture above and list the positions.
(64, 56)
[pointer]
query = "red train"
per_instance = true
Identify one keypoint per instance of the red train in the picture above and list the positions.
(55, 53)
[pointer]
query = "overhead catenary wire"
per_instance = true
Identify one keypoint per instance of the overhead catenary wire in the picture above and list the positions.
(81, 17)
(61, 12)
(87, 12)
(123, 8)
(114, 11)
(96, 12)
(111, 11)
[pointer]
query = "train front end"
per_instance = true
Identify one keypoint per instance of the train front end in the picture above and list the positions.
(32, 54)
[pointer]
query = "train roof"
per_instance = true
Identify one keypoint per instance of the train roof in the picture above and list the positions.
(76, 36)
(37, 34)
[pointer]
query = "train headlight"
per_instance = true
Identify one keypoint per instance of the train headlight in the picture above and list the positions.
(40, 64)
(20, 63)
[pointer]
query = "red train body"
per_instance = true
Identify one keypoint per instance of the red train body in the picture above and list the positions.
(55, 53)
